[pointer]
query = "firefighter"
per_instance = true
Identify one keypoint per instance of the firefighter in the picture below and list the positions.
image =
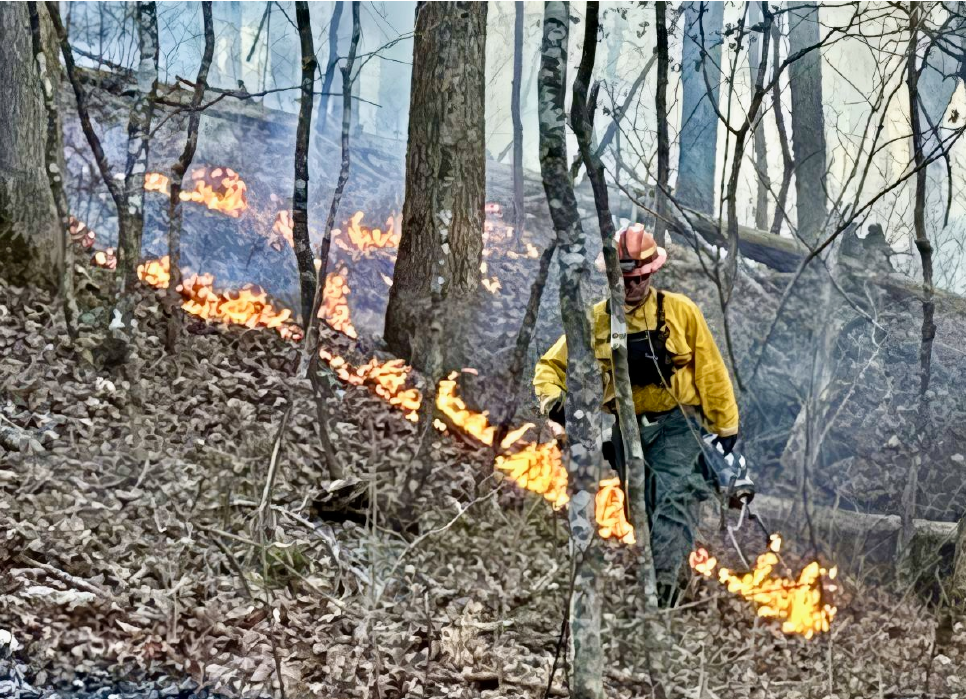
(680, 385)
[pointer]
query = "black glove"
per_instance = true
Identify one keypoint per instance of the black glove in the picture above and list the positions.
(557, 414)
(727, 443)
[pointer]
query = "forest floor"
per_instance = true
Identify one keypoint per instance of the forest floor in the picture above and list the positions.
(131, 549)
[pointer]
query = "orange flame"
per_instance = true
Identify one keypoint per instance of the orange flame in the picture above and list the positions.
(105, 258)
(491, 284)
(358, 238)
(335, 309)
(156, 273)
(476, 425)
(156, 182)
(534, 466)
(539, 469)
(703, 562)
(387, 380)
(609, 510)
(283, 228)
(249, 306)
(220, 189)
(799, 603)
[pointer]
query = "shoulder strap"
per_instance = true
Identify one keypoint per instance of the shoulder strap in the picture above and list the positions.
(660, 310)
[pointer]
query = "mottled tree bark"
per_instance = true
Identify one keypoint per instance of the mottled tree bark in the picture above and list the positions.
(442, 234)
(700, 80)
(583, 374)
(756, 54)
(582, 124)
(330, 67)
(178, 170)
(44, 47)
(808, 121)
(138, 144)
(300, 193)
(660, 106)
(519, 214)
(30, 233)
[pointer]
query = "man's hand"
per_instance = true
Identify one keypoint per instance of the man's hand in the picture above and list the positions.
(727, 444)
(557, 413)
(553, 408)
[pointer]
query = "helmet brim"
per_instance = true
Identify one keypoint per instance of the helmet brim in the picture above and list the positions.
(652, 266)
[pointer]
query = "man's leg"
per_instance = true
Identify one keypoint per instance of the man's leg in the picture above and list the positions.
(671, 448)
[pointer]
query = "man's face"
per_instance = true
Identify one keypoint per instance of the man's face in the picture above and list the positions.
(636, 288)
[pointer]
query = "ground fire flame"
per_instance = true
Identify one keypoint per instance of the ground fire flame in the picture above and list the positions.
(220, 189)
(249, 306)
(335, 308)
(799, 603)
(537, 467)
(358, 239)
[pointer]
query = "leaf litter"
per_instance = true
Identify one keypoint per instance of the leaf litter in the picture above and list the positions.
(129, 548)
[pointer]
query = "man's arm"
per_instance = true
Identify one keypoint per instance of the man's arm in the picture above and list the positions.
(550, 376)
(711, 378)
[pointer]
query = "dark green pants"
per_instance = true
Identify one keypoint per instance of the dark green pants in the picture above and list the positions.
(669, 489)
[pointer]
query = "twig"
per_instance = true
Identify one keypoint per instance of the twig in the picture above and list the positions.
(373, 514)
(273, 464)
(564, 632)
(258, 32)
(422, 537)
(65, 577)
(271, 612)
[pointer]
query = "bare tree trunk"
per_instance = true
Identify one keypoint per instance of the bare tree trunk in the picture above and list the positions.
(310, 354)
(582, 124)
(528, 327)
(83, 113)
(788, 163)
(310, 347)
(583, 374)
(957, 587)
(442, 234)
(519, 214)
(925, 253)
(612, 130)
(139, 141)
(756, 54)
(300, 194)
(700, 68)
(30, 234)
(731, 197)
(660, 105)
(330, 67)
(808, 121)
(45, 52)
(178, 170)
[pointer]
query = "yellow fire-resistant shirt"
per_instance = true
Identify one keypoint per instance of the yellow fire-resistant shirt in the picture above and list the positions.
(701, 378)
